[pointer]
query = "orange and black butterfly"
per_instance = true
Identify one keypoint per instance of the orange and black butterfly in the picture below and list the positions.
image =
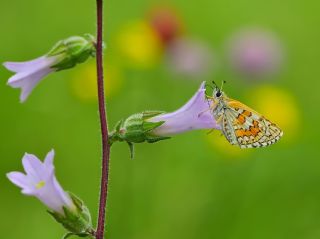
(242, 125)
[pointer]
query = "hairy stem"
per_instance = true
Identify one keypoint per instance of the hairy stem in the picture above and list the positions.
(104, 126)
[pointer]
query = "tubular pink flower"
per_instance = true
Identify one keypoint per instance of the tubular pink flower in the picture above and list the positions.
(64, 55)
(40, 181)
(195, 114)
(30, 73)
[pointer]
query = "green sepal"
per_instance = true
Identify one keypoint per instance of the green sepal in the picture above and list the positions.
(137, 129)
(72, 51)
(131, 148)
(148, 126)
(76, 220)
(151, 113)
(153, 139)
(67, 235)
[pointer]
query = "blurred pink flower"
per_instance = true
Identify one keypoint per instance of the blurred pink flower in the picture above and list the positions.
(255, 53)
(40, 181)
(190, 58)
(195, 114)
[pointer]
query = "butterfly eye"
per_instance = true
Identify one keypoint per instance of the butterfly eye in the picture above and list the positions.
(218, 94)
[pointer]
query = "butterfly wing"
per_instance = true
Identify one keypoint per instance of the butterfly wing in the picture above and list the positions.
(247, 128)
(229, 116)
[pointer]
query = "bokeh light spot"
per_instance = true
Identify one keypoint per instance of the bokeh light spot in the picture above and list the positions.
(84, 82)
(139, 44)
(220, 143)
(279, 106)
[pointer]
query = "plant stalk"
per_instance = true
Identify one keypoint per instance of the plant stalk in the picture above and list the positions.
(100, 231)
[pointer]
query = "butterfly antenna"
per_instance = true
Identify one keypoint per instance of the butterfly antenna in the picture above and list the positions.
(223, 82)
(214, 83)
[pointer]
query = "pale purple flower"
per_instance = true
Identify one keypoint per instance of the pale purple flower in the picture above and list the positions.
(195, 114)
(40, 181)
(30, 73)
(65, 54)
(190, 58)
(255, 53)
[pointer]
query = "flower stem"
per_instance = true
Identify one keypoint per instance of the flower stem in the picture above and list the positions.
(104, 126)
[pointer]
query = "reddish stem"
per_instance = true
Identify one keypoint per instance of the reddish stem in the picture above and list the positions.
(104, 126)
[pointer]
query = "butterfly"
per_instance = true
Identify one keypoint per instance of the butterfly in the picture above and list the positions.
(240, 124)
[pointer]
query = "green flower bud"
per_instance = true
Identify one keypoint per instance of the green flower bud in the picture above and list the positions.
(137, 129)
(72, 51)
(77, 221)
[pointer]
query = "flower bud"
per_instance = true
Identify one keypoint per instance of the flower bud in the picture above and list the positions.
(72, 51)
(137, 129)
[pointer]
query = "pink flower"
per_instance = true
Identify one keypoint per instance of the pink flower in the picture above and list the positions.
(40, 182)
(195, 114)
(190, 58)
(255, 53)
(65, 54)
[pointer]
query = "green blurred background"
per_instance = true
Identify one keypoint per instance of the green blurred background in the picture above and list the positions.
(194, 185)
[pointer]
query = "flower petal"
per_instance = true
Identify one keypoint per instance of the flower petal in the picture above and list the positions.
(33, 167)
(53, 196)
(19, 179)
(27, 81)
(63, 195)
(48, 162)
(27, 65)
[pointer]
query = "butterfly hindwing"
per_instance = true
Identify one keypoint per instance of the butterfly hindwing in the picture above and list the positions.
(247, 128)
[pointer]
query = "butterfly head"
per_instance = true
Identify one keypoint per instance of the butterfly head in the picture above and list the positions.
(217, 92)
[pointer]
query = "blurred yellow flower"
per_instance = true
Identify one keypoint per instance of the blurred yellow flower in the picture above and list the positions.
(139, 44)
(279, 106)
(84, 82)
(221, 144)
